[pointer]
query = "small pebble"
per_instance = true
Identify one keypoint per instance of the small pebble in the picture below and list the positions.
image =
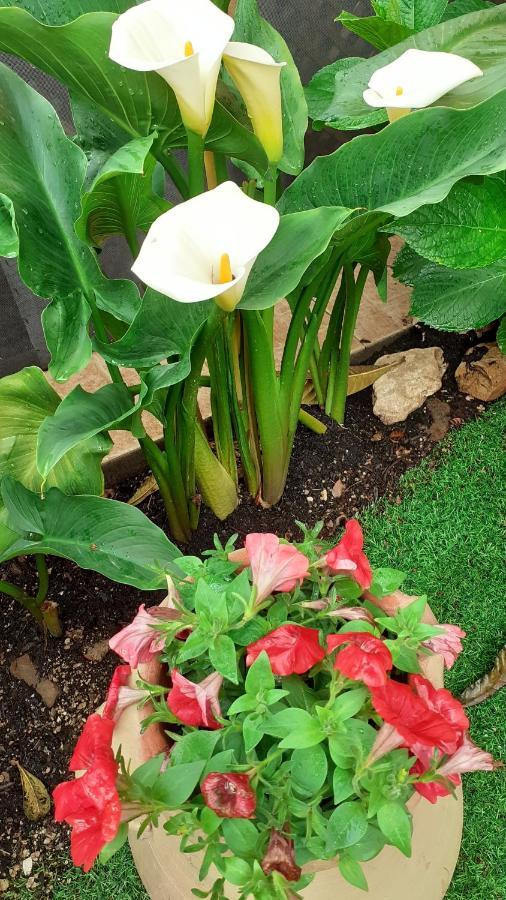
(27, 866)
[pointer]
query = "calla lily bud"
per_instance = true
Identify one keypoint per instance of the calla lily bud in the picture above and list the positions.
(416, 79)
(182, 40)
(205, 248)
(257, 76)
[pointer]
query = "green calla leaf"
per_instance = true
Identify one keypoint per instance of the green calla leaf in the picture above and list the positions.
(335, 93)
(501, 335)
(43, 180)
(411, 163)
(110, 537)
(462, 7)
(414, 14)
(8, 235)
(301, 237)
(466, 230)
(375, 30)
(252, 28)
(121, 199)
(80, 416)
(27, 401)
(58, 12)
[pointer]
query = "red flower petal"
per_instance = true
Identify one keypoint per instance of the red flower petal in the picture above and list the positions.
(230, 795)
(280, 857)
(193, 703)
(119, 679)
(290, 648)
(347, 556)
(431, 790)
(93, 743)
(92, 807)
(366, 658)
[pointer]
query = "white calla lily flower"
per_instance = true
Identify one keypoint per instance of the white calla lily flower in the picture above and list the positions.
(257, 76)
(182, 40)
(205, 248)
(418, 78)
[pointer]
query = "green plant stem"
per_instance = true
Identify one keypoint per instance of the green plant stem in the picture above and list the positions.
(29, 603)
(353, 297)
(196, 171)
(270, 190)
(158, 466)
(173, 169)
(40, 562)
(315, 378)
(330, 349)
(239, 414)
(101, 333)
(220, 402)
(311, 422)
(220, 162)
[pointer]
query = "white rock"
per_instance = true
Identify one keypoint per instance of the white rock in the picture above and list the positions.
(27, 866)
(405, 388)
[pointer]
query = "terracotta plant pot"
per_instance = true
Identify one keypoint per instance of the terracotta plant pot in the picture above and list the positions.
(168, 874)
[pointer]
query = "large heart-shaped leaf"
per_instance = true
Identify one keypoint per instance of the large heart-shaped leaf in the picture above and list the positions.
(414, 14)
(26, 400)
(462, 7)
(41, 172)
(79, 417)
(120, 198)
(59, 12)
(411, 163)
(251, 28)
(335, 93)
(300, 238)
(112, 538)
(466, 230)
(381, 33)
(9, 243)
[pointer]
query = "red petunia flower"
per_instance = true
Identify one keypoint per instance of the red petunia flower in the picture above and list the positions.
(229, 795)
(424, 716)
(290, 648)
(91, 805)
(194, 704)
(139, 641)
(448, 645)
(467, 758)
(348, 558)
(431, 790)
(280, 857)
(366, 658)
(274, 566)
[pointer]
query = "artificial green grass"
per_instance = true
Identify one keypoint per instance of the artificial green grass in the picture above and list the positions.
(448, 535)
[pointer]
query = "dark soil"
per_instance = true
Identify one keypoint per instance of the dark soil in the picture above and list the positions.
(331, 477)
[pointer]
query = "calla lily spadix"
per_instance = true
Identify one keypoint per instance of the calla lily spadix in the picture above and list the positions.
(257, 76)
(182, 40)
(416, 79)
(205, 248)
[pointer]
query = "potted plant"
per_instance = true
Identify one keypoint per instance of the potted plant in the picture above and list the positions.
(297, 718)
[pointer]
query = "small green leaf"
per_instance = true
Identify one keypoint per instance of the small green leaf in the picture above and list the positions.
(209, 820)
(386, 581)
(395, 823)
(369, 846)
(378, 32)
(346, 826)
(349, 703)
(259, 677)
(309, 769)
(177, 783)
(221, 762)
(296, 728)
(252, 732)
(222, 654)
(194, 746)
(237, 871)
(241, 836)
(246, 703)
(342, 785)
(404, 658)
(352, 872)
(116, 844)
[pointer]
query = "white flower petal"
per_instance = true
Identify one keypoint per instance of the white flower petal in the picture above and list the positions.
(181, 254)
(418, 78)
(257, 76)
(154, 36)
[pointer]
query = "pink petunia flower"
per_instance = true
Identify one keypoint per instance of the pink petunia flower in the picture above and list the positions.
(139, 641)
(274, 566)
(348, 558)
(194, 704)
(448, 645)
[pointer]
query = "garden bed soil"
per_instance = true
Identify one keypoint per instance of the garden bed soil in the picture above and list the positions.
(331, 477)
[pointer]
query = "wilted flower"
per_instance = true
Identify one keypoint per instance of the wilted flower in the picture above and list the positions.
(290, 648)
(194, 704)
(229, 795)
(205, 248)
(280, 857)
(257, 75)
(139, 641)
(448, 645)
(366, 658)
(469, 758)
(350, 613)
(184, 43)
(274, 566)
(348, 558)
(418, 78)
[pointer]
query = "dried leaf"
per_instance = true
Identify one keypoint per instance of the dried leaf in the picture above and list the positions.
(338, 489)
(361, 377)
(488, 685)
(148, 487)
(36, 801)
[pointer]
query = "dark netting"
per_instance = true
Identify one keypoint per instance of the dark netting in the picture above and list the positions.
(315, 40)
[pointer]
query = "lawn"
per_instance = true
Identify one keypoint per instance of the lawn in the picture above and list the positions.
(447, 534)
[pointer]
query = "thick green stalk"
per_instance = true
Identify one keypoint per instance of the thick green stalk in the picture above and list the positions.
(270, 190)
(218, 489)
(173, 169)
(330, 349)
(240, 406)
(220, 163)
(353, 297)
(29, 603)
(220, 402)
(176, 516)
(40, 562)
(271, 425)
(196, 171)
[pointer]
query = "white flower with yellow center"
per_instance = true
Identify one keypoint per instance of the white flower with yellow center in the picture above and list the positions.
(416, 79)
(205, 248)
(182, 40)
(257, 76)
